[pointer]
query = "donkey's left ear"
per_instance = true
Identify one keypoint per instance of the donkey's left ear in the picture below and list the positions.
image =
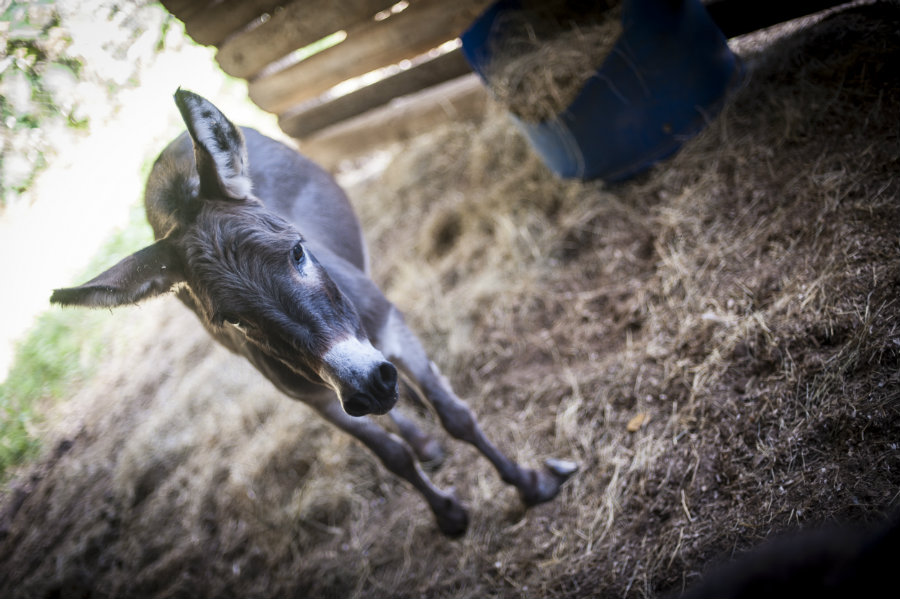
(148, 272)
(219, 148)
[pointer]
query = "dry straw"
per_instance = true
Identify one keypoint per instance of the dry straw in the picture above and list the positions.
(742, 296)
(542, 54)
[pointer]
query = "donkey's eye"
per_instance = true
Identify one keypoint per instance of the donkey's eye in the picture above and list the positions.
(231, 320)
(297, 254)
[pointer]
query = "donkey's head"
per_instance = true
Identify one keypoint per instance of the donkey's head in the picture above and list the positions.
(246, 271)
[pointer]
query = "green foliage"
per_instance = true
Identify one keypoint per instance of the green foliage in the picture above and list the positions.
(36, 82)
(51, 88)
(62, 349)
(59, 351)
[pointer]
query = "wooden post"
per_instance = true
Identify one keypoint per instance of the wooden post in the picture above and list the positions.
(298, 24)
(461, 99)
(309, 120)
(423, 26)
(218, 21)
(185, 9)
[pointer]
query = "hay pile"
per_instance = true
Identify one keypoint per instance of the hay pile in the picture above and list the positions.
(717, 343)
(542, 55)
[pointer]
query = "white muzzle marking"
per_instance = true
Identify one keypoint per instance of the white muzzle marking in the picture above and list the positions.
(350, 361)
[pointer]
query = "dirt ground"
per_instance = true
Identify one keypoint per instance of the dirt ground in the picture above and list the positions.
(737, 307)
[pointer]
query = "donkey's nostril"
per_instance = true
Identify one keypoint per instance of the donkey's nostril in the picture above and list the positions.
(358, 405)
(385, 378)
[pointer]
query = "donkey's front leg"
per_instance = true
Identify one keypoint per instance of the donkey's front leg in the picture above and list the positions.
(397, 457)
(403, 348)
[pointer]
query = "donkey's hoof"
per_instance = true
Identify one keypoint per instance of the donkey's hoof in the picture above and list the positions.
(545, 484)
(561, 468)
(452, 519)
(454, 527)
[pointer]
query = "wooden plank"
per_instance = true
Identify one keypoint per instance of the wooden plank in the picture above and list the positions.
(438, 70)
(461, 99)
(423, 26)
(185, 9)
(220, 20)
(298, 24)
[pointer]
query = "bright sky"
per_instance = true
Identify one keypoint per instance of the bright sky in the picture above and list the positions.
(89, 187)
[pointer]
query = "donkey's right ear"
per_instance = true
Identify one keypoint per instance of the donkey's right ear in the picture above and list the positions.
(148, 272)
(219, 148)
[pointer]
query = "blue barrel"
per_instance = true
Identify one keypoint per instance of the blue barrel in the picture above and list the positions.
(666, 76)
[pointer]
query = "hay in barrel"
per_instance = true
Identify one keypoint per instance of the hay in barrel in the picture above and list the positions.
(542, 55)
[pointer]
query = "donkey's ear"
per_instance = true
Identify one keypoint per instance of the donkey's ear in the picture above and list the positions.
(219, 148)
(148, 272)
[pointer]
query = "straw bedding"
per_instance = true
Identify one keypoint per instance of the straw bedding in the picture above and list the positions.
(716, 342)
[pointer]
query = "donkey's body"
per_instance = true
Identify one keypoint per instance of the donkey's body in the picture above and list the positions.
(265, 248)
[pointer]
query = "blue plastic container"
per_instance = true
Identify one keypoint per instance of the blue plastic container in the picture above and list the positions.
(664, 79)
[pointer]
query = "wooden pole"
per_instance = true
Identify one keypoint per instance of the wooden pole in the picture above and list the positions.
(298, 24)
(424, 25)
(211, 26)
(443, 68)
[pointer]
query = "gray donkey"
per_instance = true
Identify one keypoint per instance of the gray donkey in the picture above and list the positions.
(265, 248)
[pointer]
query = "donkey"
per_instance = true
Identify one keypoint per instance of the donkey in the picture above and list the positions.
(265, 248)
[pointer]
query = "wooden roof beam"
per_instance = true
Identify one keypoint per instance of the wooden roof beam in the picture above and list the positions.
(297, 25)
(185, 9)
(304, 122)
(214, 24)
(424, 25)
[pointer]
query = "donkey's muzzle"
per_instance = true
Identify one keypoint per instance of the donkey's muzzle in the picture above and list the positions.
(380, 393)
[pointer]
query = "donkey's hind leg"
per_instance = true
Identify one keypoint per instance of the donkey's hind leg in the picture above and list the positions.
(403, 348)
(427, 449)
(397, 457)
